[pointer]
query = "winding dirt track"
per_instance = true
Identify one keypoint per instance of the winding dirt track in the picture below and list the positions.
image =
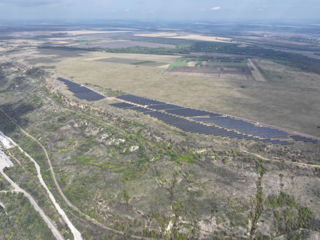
(5, 162)
(92, 220)
(45, 218)
(297, 164)
(74, 230)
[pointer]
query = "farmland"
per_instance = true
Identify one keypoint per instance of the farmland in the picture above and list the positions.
(161, 134)
(227, 90)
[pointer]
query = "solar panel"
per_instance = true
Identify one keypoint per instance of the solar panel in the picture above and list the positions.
(244, 127)
(163, 106)
(228, 127)
(274, 141)
(192, 126)
(140, 109)
(303, 139)
(139, 100)
(122, 105)
(80, 91)
(189, 112)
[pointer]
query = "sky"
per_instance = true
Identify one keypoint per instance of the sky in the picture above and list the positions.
(157, 10)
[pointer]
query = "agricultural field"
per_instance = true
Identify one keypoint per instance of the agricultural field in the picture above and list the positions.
(259, 94)
(244, 82)
(159, 134)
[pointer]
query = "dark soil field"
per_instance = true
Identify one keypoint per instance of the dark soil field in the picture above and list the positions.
(128, 44)
(215, 70)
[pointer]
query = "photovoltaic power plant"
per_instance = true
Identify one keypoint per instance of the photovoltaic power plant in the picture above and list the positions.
(81, 92)
(192, 120)
(208, 123)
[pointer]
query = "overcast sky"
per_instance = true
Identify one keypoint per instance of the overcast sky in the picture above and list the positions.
(208, 10)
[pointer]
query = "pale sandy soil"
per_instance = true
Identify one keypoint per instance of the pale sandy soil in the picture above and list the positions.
(186, 36)
(6, 143)
(160, 34)
(204, 38)
(192, 64)
(164, 66)
(91, 32)
(4, 161)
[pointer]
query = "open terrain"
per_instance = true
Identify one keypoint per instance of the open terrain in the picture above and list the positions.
(89, 170)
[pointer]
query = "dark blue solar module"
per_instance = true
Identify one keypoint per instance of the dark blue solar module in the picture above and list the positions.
(194, 127)
(303, 139)
(139, 100)
(130, 107)
(140, 109)
(189, 112)
(122, 105)
(244, 127)
(80, 91)
(163, 106)
(275, 141)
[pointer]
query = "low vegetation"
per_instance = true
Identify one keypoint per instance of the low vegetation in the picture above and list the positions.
(135, 175)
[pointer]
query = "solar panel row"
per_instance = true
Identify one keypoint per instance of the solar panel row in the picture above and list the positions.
(164, 106)
(81, 92)
(140, 109)
(244, 127)
(139, 100)
(303, 139)
(189, 112)
(193, 127)
(131, 107)
(122, 105)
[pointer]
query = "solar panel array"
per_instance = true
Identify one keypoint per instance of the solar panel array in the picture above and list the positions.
(81, 92)
(192, 126)
(204, 122)
(218, 125)
(244, 127)
(138, 100)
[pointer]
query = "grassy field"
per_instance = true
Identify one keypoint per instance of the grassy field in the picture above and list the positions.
(282, 99)
(135, 174)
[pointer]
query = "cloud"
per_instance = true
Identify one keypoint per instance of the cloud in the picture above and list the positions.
(29, 3)
(216, 8)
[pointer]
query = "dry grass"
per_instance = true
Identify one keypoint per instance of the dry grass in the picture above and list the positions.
(193, 91)
(283, 100)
